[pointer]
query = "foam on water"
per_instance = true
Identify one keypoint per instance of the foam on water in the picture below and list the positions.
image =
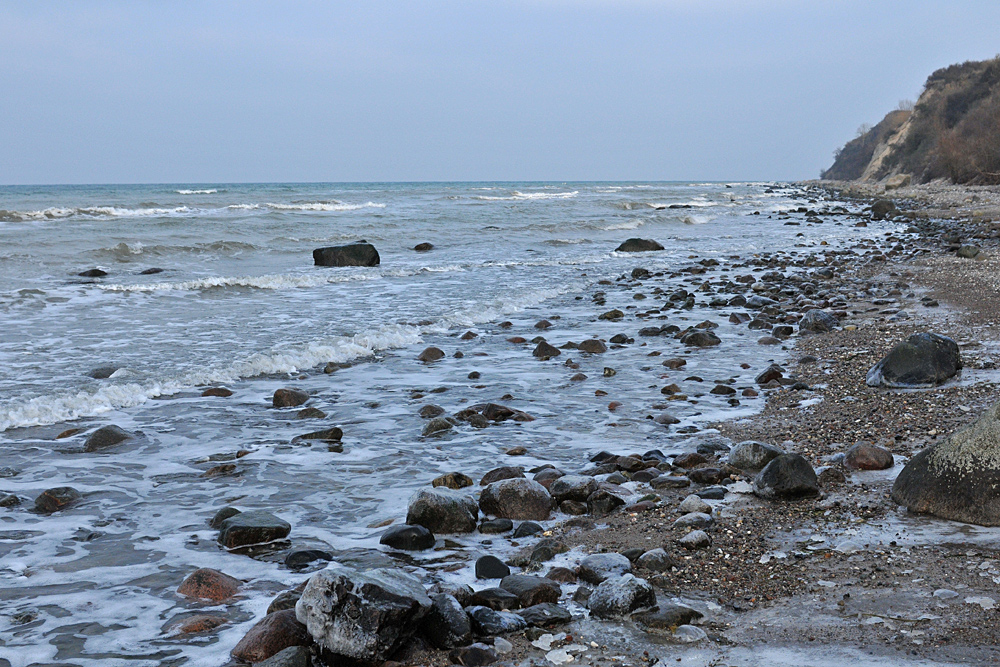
(207, 191)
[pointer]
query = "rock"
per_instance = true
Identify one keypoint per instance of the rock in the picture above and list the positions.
(611, 316)
(105, 438)
(431, 411)
(959, 478)
(333, 434)
(562, 575)
(503, 472)
(496, 599)
(526, 529)
(249, 528)
(656, 560)
(772, 372)
(476, 655)
(619, 596)
(310, 413)
(300, 558)
(547, 476)
(700, 339)
(531, 590)
(273, 633)
(352, 254)
(882, 208)
(593, 346)
(922, 360)
(442, 510)
(218, 392)
(446, 625)
(102, 372)
(723, 390)
(59, 498)
(712, 493)
(752, 455)
(289, 398)
(787, 477)
(545, 615)
(573, 487)
(597, 567)
(423, 247)
(362, 615)
(897, 181)
(666, 617)
(516, 499)
(408, 538)
(669, 482)
(547, 549)
(491, 567)
(198, 624)
(545, 351)
(817, 321)
(437, 426)
(602, 503)
(431, 354)
(694, 503)
(690, 460)
(696, 539)
(489, 623)
(706, 475)
(968, 252)
(93, 273)
(866, 456)
(496, 526)
(646, 476)
(453, 480)
(222, 515)
(694, 520)
(209, 584)
(293, 656)
(638, 245)
(666, 419)
(284, 600)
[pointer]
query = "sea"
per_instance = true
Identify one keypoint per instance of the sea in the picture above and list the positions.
(236, 301)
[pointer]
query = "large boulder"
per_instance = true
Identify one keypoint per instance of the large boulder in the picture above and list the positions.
(922, 360)
(752, 455)
(352, 254)
(442, 510)
(517, 499)
(959, 478)
(786, 477)
(362, 615)
(882, 208)
(818, 321)
(639, 245)
(618, 596)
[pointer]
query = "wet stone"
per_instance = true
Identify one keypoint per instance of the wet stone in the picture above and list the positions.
(59, 498)
(602, 503)
(487, 622)
(670, 482)
(497, 599)
(656, 560)
(453, 480)
(293, 656)
(475, 655)
(105, 438)
(503, 472)
(526, 529)
(274, 633)
(446, 625)
(431, 354)
(597, 567)
(694, 520)
(249, 528)
(496, 526)
(222, 515)
(209, 584)
(545, 615)
(531, 590)
(289, 398)
(431, 411)
(408, 538)
(696, 539)
(491, 567)
(619, 596)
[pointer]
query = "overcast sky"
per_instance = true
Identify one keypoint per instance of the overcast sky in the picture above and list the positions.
(126, 92)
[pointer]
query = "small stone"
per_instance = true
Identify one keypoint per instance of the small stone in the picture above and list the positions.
(221, 516)
(496, 526)
(517, 451)
(618, 596)
(866, 456)
(437, 426)
(198, 624)
(249, 528)
(311, 413)
(531, 590)
(491, 567)
(301, 558)
(696, 539)
(431, 411)
(503, 472)
(59, 498)
(408, 538)
(597, 567)
(526, 529)
(545, 615)
(209, 584)
(431, 354)
(694, 520)
(593, 346)
(490, 623)
(656, 560)
(289, 398)
(475, 655)
(220, 392)
(545, 351)
(693, 503)
(106, 437)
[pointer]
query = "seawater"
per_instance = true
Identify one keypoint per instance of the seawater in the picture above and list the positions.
(239, 303)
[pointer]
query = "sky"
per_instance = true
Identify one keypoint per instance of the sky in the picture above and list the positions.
(411, 90)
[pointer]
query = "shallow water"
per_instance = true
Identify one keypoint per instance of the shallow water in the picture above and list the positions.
(239, 303)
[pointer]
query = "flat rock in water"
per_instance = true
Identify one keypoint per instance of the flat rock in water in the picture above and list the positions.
(922, 360)
(431, 354)
(489, 623)
(105, 438)
(362, 615)
(289, 398)
(516, 499)
(597, 567)
(102, 372)
(453, 480)
(666, 617)
(249, 528)
(423, 247)
(959, 478)
(866, 456)
(593, 346)
(619, 596)
(329, 435)
(408, 538)
(274, 633)
(209, 584)
(639, 245)
(700, 339)
(352, 254)
(787, 477)
(59, 498)
(443, 510)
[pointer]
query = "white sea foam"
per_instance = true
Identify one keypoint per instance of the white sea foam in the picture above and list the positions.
(521, 196)
(210, 191)
(271, 282)
(631, 224)
(323, 206)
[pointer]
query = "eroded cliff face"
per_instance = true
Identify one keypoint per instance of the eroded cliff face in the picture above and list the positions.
(953, 133)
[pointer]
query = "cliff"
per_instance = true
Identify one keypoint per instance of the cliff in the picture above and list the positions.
(953, 133)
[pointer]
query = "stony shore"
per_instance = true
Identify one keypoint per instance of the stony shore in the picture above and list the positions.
(725, 570)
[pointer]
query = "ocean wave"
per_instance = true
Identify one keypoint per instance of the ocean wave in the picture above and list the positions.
(58, 213)
(210, 191)
(630, 224)
(269, 282)
(125, 250)
(523, 196)
(53, 213)
(322, 206)
(697, 219)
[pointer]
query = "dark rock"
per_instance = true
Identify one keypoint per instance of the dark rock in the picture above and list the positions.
(694, 520)
(105, 438)
(446, 624)
(284, 600)
(308, 413)
(516, 499)
(491, 567)
(362, 615)
(453, 480)
(408, 538)
(818, 321)
(597, 567)
(503, 472)
(333, 434)
(497, 599)
(619, 596)
(646, 476)
(92, 273)
(300, 558)
(209, 584)
(639, 245)
(431, 411)
(706, 475)
(669, 482)
(496, 526)
(443, 510)
(293, 656)
(712, 493)
(423, 247)
(489, 623)
(666, 617)
(573, 487)
(547, 476)
(249, 528)
(723, 390)
(690, 460)
(573, 507)
(526, 529)
(531, 590)
(545, 615)
(696, 539)
(831, 476)
(959, 478)
(102, 373)
(922, 360)
(772, 372)
(437, 426)
(593, 346)
(431, 354)
(611, 315)
(700, 339)
(222, 515)
(476, 655)
(59, 498)
(602, 503)
(787, 477)
(752, 455)
(562, 575)
(545, 351)
(968, 252)
(274, 633)
(353, 254)
(619, 339)
(656, 560)
(289, 398)
(150, 271)
(881, 208)
(866, 456)
(547, 549)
